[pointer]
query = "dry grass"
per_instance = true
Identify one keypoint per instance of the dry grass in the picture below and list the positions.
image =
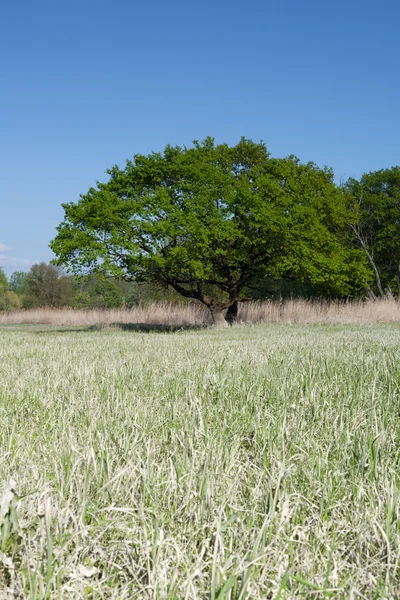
(324, 312)
(167, 313)
(157, 313)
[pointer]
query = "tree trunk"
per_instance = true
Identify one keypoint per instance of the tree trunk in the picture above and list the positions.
(280, 289)
(370, 256)
(376, 273)
(215, 307)
(218, 318)
(389, 293)
(371, 295)
(377, 279)
(232, 313)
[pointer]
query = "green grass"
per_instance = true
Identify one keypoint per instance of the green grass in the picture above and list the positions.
(256, 462)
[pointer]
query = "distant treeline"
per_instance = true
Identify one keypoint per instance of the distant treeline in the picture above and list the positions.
(47, 285)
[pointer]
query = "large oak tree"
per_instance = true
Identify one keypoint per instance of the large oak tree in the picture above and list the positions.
(209, 220)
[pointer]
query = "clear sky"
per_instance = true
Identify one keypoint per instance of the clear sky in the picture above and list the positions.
(85, 85)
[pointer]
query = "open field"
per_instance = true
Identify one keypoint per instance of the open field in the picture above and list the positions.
(255, 462)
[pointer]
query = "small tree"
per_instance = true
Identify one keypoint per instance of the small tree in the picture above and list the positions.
(3, 281)
(3, 290)
(12, 300)
(8, 299)
(47, 286)
(17, 282)
(208, 220)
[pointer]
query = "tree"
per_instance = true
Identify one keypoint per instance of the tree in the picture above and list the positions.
(3, 290)
(376, 199)
(8, 300)
(17, 282)
(47, 286)
(3, 281)
(210, 219)
(12, 301)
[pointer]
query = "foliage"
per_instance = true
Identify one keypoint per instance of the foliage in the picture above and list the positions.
(13, 300)
(376, 198)
(97, 292)
(212, 217)
(47, 286)
(4, 304)
(3, 281)
(18, 282)
(4, 294)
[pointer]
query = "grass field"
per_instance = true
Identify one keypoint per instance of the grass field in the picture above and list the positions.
(256, 462)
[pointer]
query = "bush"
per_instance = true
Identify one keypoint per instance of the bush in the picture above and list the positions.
(13, 300)
(9, 301)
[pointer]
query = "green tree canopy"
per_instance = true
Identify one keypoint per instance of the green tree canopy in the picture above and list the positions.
(18, 282)
(376, 200)
(4, 305)
(3, 281)
(47, 286)
(8, 299)
(212, 217)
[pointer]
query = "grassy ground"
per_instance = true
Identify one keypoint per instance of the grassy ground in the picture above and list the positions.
(256, 462)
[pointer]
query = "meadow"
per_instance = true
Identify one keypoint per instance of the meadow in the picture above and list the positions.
(259, 461)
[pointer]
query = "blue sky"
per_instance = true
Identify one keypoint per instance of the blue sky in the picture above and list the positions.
(85, 85)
